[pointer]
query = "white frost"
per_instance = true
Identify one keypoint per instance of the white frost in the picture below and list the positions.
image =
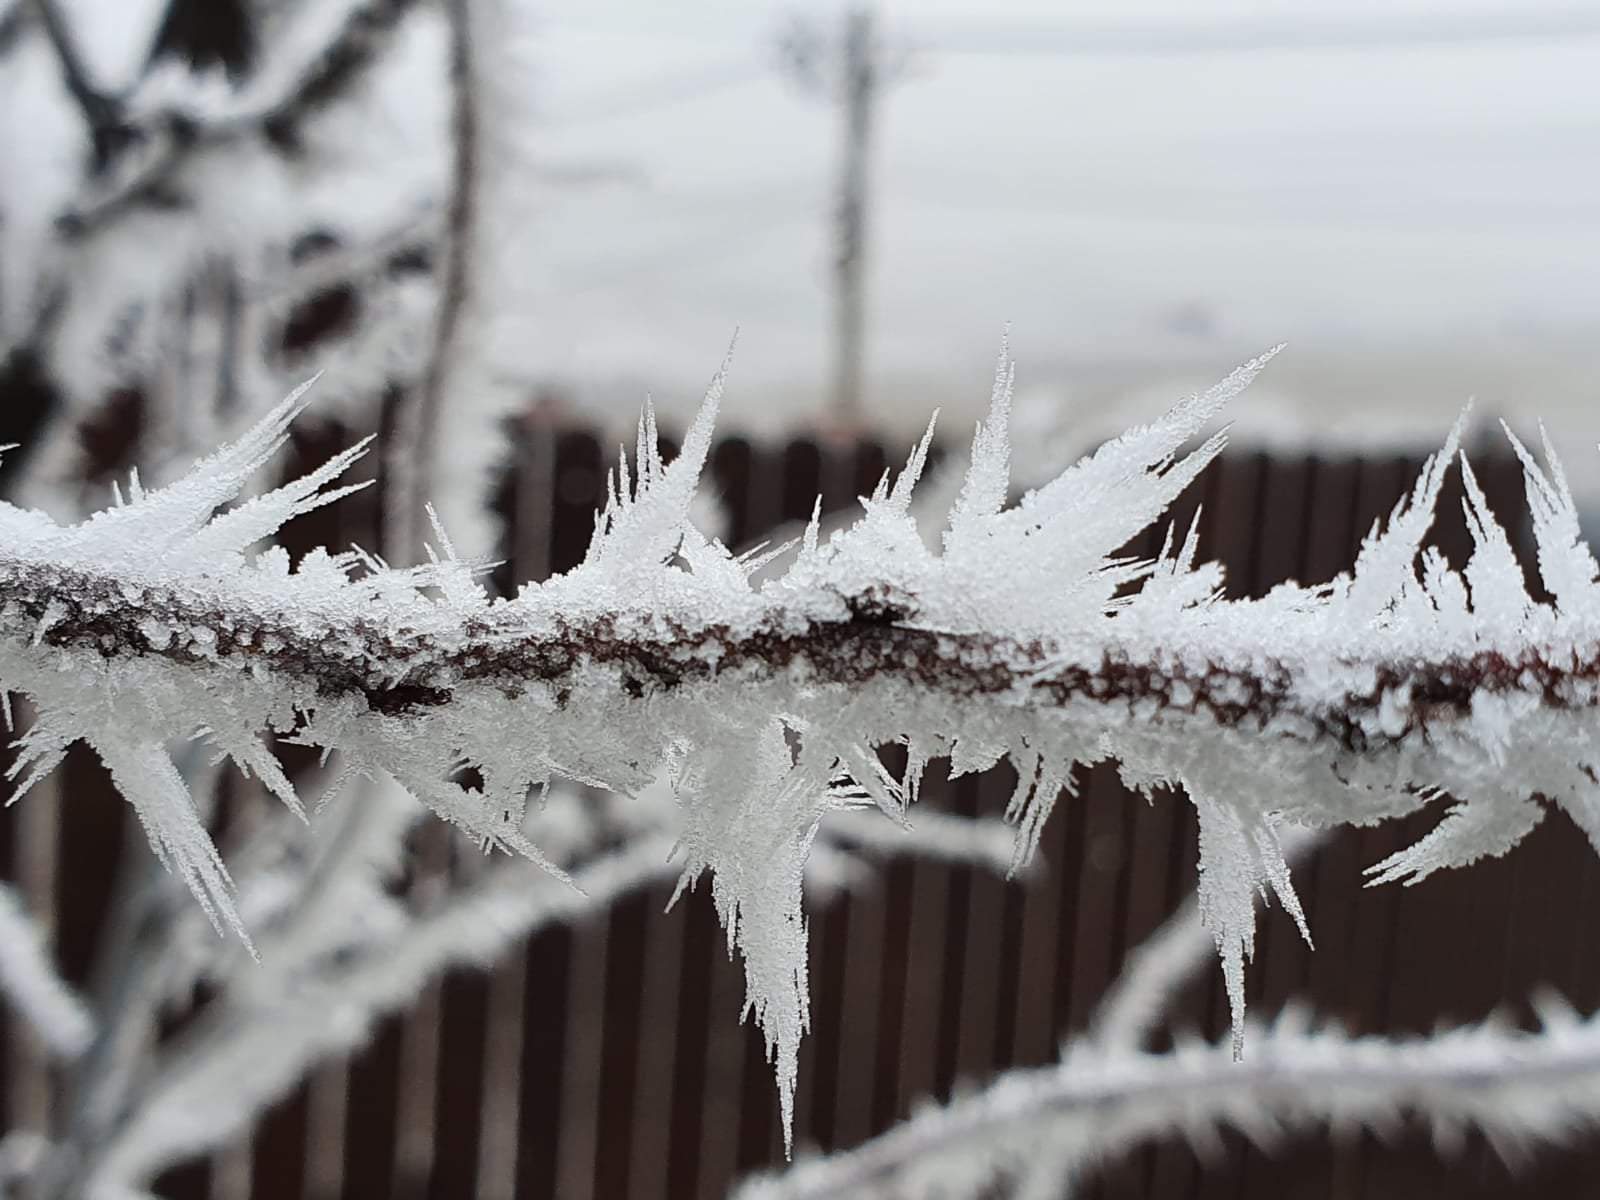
(767, 702)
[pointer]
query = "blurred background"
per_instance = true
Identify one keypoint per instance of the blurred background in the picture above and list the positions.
(1148, 193)
(1145, 193)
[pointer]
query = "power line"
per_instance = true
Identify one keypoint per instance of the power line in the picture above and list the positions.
(1241, 37)
(782, 205)
(677, 87)
(663, 267)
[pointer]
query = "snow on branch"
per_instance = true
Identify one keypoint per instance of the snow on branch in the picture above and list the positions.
(112, 256)
(10, 23)
(173, 137)
(30, 981)
(410, 457)
(257, 1045)
(1038, 1131)
(1030, 636)
(102, 115)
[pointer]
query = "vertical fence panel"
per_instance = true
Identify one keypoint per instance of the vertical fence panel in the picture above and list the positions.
(655, 1100)
(922, 998)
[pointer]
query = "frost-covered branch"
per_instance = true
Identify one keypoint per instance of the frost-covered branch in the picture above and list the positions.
(1031, 636)
(1038, 1131)
(453, 413)
(409, 456)
(30, 982)
(329, 974)
(102, 115)
(176, 137)
(211, 1082)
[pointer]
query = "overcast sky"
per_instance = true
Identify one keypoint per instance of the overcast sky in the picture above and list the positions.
(1399, 179)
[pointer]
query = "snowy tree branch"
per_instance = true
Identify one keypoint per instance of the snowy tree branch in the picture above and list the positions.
(870, 640)
(179, 136)
(454, 411)
(1031, 636)
(329, 975)
(103, 116)
(30, 981)
(11, 22)
(409, 456)
(1036, 1131)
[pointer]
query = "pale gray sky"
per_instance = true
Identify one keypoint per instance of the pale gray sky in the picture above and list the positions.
(1435, 195)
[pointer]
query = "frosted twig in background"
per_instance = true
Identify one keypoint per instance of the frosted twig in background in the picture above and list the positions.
(1037, 1132)
(938, 837)
(329, 970)
(29, 980)
(454, 413)
(410, 454)
(179, 136)
(210, 1084)
(336, 134)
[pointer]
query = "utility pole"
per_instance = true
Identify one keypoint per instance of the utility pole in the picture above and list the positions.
(850, 69)
(860, 92)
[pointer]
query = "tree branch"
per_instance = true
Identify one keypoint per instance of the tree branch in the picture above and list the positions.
(1044, 1127)
(1031, 635)
(29, 980)
(401, 667)
(181, 137)
(13, 17)
(103, 116)
(409, 455)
